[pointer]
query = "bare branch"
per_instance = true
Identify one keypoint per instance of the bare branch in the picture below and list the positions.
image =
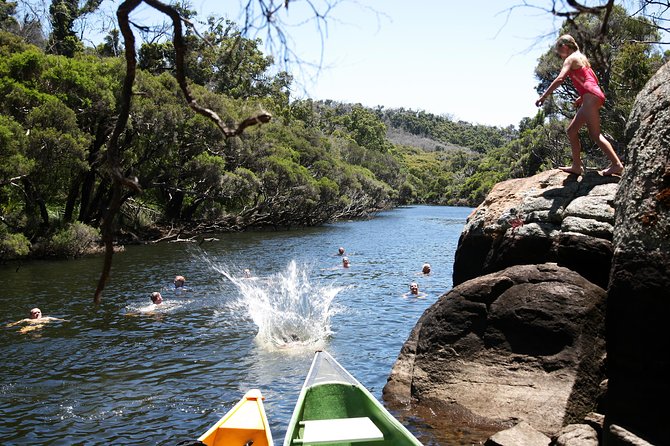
(119, 181)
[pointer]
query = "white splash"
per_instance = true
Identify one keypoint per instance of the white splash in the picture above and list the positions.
(288, 309)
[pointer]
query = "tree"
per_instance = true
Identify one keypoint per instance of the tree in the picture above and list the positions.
(7, 21)
(63, 39)
(114, 148)
(111, 46)
(63, 15)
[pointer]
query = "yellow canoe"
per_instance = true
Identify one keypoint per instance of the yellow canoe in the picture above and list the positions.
(243, 424)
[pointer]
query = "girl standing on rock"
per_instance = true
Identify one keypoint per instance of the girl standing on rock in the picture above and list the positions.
(577, 67)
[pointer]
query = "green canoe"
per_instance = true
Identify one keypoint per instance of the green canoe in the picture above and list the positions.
(335, 409)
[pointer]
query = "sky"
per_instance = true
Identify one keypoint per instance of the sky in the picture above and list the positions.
(469, 60)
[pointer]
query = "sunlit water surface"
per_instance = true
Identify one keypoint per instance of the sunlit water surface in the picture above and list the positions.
(129, 372)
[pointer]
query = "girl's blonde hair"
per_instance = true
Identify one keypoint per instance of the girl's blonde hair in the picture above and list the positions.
(569, 41)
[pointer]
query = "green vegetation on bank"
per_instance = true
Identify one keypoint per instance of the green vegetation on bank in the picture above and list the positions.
(314, 162)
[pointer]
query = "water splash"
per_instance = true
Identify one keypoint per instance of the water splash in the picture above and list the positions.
(287, 307)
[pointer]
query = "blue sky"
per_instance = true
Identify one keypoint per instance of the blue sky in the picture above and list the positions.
(470, 60)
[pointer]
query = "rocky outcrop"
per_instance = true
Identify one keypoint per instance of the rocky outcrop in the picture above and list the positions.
(550, 217)
(521, 434)
(639, 291)
(523, 343)
(576, 435)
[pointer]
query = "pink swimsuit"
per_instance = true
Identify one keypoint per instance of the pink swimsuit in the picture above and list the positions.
(585, 81)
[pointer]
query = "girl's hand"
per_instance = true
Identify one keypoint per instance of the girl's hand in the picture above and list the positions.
(539, 102)
(578, 102)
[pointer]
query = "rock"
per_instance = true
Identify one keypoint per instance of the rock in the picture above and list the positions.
(525, 343)
(576, 435)
(596, 421)
(550, 217)
(618, 436)
(639, 290)
(521, 434)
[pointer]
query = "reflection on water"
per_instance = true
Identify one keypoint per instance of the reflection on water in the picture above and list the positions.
(127, 372)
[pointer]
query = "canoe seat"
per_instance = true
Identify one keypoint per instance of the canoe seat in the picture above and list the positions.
(347, 430)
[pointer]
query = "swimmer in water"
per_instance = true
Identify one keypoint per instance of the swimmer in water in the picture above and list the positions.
(35, 321)
(345, 262)
(156, 298)
(340, 251)
(426, 269)
(414, 291)
(179, 287)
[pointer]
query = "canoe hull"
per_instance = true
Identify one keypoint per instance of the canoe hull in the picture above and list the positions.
(335, 395)
(245, 422)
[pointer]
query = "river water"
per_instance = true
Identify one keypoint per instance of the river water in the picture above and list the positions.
(128, 372)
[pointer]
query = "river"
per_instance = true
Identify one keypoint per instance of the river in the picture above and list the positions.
(127, 372)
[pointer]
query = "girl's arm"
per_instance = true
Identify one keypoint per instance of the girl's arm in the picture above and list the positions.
(567, 66)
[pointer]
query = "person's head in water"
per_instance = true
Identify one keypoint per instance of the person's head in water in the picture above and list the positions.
(340, 251)
(345, 262)
(247, 273)
(414, 288)
(156, 298)
(179, 281)
(426, 268)
(35, 313)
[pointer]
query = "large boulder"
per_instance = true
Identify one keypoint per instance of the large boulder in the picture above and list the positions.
(550, 217)
(525, 343)
(639, 290)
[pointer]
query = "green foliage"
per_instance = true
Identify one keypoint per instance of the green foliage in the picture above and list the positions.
(111, 46)
(7, 10)
(11, 44)
(446, 132)
(366, 129)
(12, 245)
(317, 161)
(224, 62)
(57, 147)
(63, 39)
(13, 143)
(72, 241)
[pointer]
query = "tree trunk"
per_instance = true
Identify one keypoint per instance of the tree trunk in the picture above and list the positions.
(33, 199)
(72, 199)
(89, 178)
(189, 211)
(174, 204)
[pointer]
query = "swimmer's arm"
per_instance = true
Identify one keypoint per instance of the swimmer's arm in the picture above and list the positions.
(49, 318)
(12, 324)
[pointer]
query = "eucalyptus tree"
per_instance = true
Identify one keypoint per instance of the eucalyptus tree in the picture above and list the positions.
(7, 11)
(63, 14)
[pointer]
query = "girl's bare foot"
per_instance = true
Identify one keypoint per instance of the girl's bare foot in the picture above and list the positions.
(612, 170)
(577, 170)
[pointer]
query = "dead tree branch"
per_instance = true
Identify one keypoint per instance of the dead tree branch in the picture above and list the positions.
(119, 181)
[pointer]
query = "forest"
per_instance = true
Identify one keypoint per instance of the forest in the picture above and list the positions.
(313, 162)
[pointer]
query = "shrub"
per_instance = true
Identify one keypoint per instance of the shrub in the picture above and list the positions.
(74, 240)
(13, 246)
